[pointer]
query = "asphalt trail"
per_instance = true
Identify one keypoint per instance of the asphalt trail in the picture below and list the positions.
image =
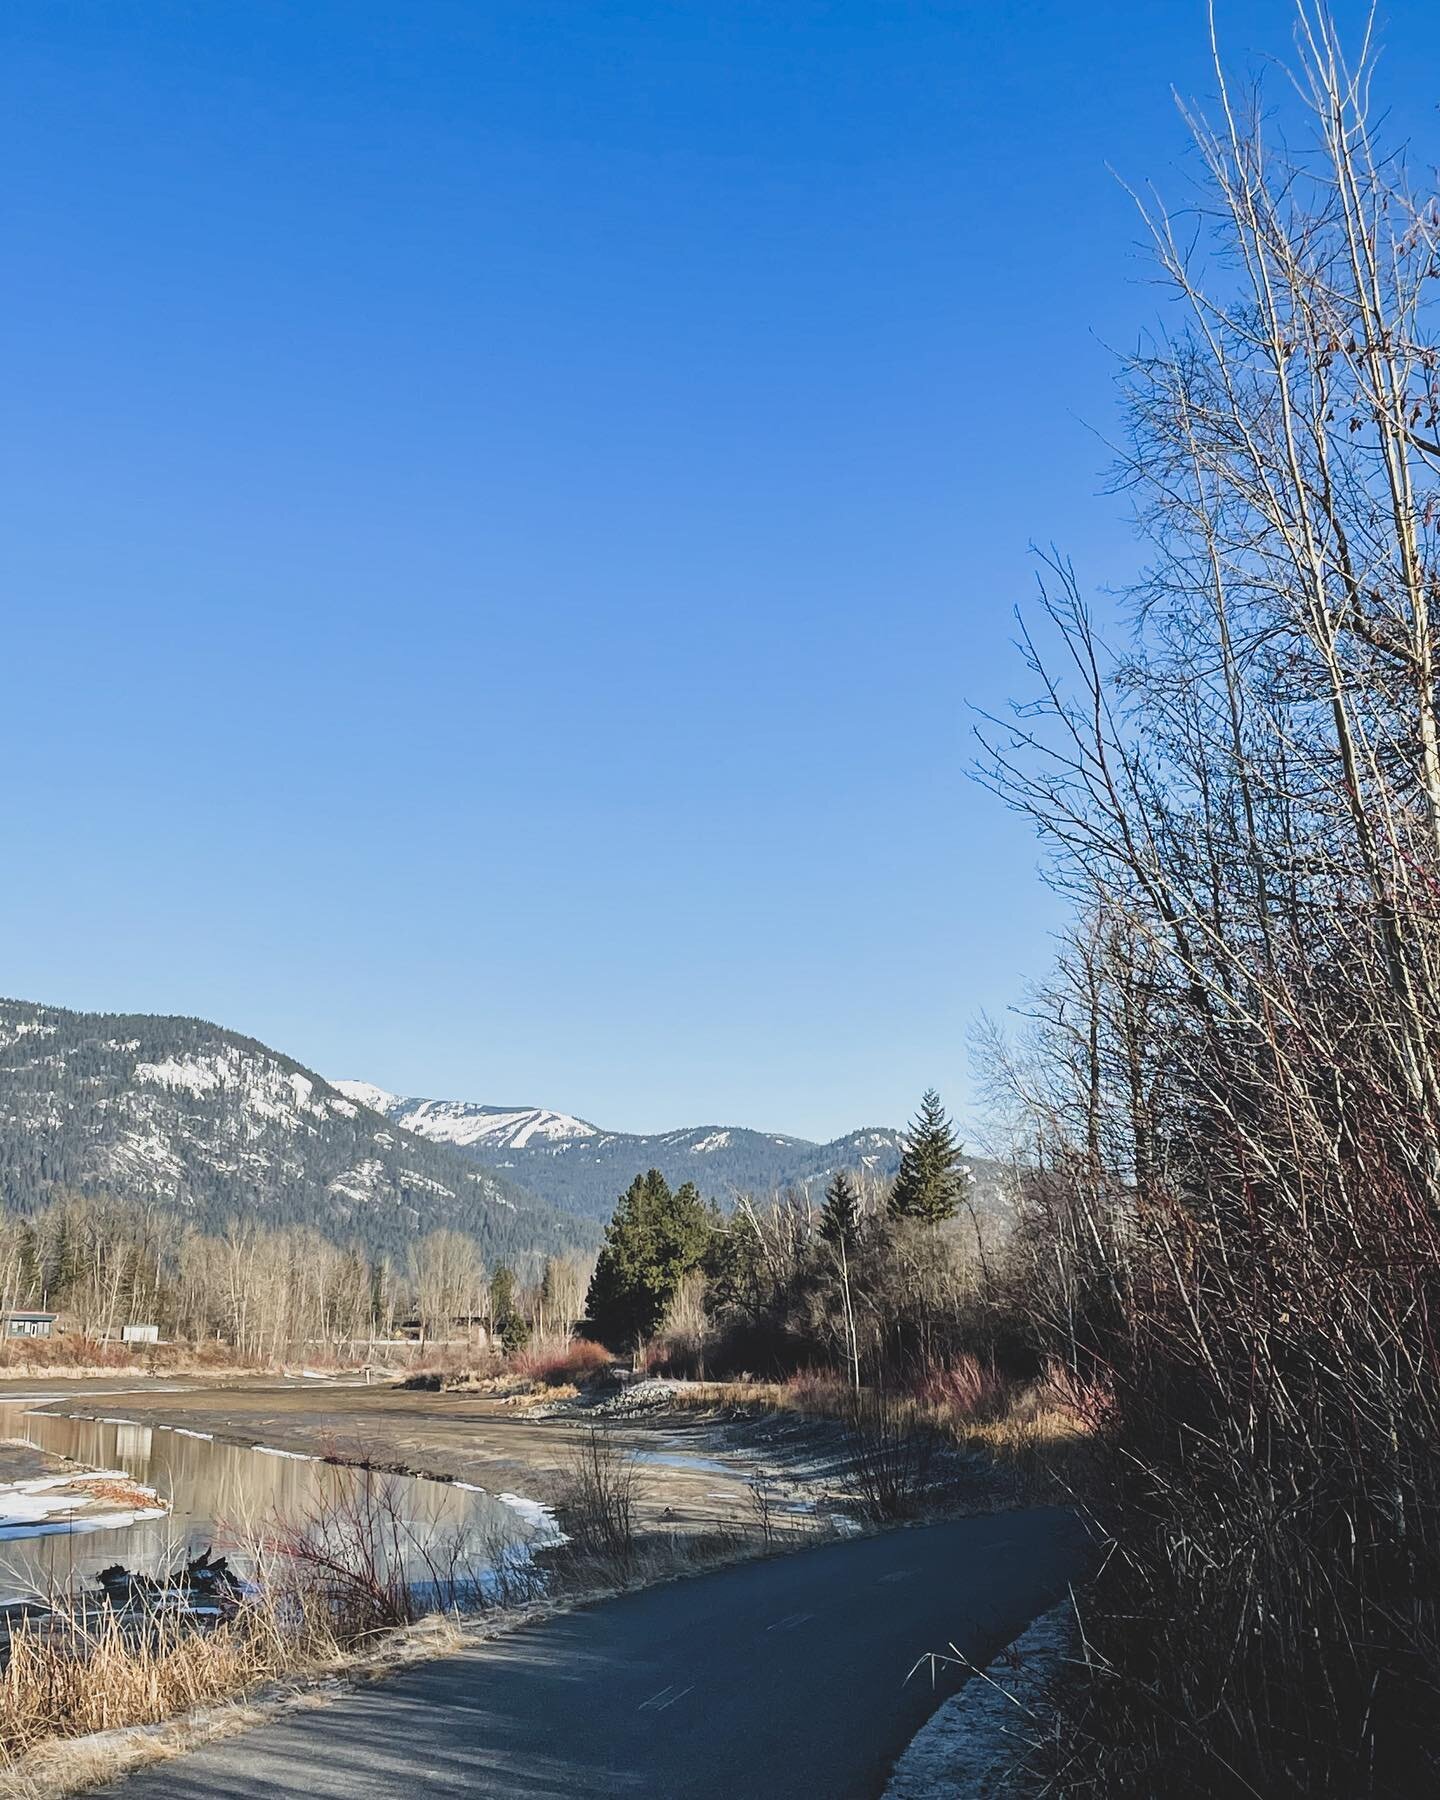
(775, 1680)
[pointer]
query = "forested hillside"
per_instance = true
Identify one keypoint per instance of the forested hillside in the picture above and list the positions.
(186, 1114)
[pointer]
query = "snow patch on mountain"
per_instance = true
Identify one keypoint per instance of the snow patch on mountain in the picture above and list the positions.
(12, 1030)
(430, 1187)
(365, 1093)
(360, 1183)
(461, 1123)
(195, 1074)
(264, 1090)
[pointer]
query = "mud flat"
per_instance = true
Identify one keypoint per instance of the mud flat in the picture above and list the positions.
(695, 1473)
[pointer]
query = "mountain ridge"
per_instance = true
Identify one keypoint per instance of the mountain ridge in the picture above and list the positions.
(209, 1123)
(575, 1164)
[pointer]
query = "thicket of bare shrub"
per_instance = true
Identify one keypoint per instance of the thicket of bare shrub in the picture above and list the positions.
(257, 1295)
(892, 1454)
(1232, 1108)
(558, 1361)
(596, 1498)
(358, 1564)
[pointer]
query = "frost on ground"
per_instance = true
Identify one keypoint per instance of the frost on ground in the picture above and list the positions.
(973, 1747)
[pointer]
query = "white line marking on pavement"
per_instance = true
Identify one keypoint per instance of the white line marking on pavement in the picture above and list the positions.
(666, 1697)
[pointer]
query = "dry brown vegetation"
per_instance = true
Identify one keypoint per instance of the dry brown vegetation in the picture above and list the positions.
(326, 1588)
(1230, 1115)
(85, 1670)
(1040, 1433)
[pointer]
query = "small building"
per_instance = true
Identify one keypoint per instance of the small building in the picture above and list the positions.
(139, 1334)
(28, 1324)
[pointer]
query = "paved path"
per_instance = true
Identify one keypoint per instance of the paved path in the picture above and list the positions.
(775, 1679)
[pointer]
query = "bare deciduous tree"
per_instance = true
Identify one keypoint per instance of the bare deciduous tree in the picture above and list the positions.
(1234, 1124)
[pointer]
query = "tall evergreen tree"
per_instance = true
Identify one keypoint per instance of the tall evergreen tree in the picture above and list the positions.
(502, 1296)
(840, 1215)
(654, 1240)
(840, 1228)
(932, 1176)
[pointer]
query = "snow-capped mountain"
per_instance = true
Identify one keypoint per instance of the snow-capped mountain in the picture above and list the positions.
(470, 1126)
(188, 1115)
(583, 1168)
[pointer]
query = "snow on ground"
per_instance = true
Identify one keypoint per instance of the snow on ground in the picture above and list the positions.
(48, 1505)
(457, 1122)
(539, 1518)
(147, 1153)
(424, 1182)
(192, 1074)
(12, 1030)
(266, 1090)
(972, 1745)
(551, 1125)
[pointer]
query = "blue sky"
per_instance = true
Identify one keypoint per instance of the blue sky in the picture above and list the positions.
(507, 508)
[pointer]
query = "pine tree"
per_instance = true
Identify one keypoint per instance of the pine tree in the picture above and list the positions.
(932, 1176)
(547, 1292)
(654, 1240)
(502, 1297)
(379, 1294)
(840, 1229)
(840, 1215)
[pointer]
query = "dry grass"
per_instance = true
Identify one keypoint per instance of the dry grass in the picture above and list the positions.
(82, 1670)
(1042, 1434)
(75, 1356)
(596, 1498)
(326, 1588)
(59, 1766)
(1045, 1450)
(119, 1490)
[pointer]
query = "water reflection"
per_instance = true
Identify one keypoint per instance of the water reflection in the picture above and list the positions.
(218, 1494)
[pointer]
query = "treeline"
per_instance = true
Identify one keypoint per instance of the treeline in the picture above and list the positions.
(267, 1291)
(1230, 1113)
(879, 1280)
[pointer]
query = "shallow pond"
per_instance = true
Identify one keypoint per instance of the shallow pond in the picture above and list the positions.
(225, 1495)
